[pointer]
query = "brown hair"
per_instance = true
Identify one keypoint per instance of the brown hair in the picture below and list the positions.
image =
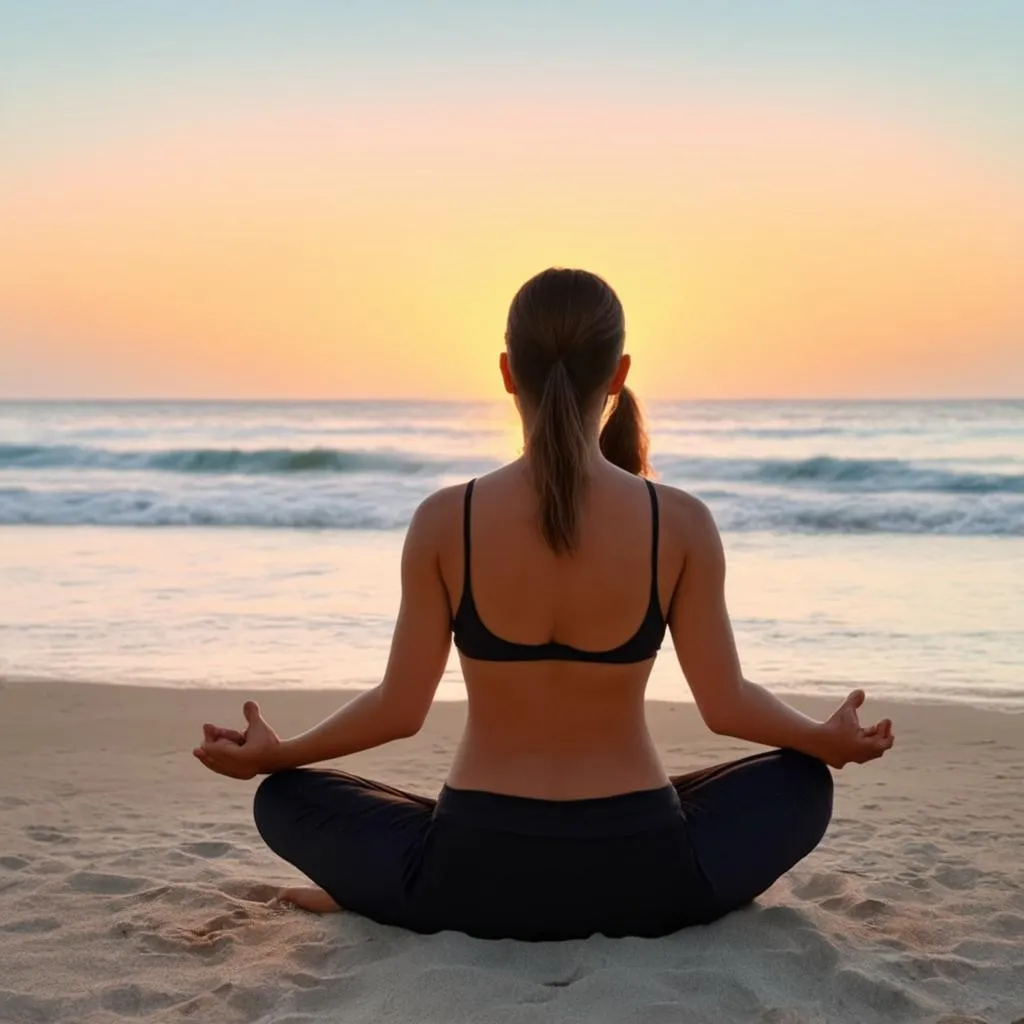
(565, 336)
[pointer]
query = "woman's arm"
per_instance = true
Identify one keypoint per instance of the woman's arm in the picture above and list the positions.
(396, 707)
(729, 704)
(419, 653)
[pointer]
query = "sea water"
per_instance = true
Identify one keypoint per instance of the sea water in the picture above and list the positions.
(256, 545)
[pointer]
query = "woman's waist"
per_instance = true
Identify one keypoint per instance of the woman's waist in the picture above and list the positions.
(567, 769)
(619, 814)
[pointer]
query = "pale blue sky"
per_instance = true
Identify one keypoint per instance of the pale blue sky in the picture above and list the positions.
(86, 70)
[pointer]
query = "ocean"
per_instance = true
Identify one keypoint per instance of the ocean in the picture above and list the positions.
(254, 545)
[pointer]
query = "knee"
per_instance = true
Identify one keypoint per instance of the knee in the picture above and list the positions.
(272, 802)
(811, 782)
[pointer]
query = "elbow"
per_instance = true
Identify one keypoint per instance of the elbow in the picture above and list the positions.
(716, 723)
(404, 722)
(719, 719)
(405, 728)
(724, 713)
(397, 718)
(400, 723)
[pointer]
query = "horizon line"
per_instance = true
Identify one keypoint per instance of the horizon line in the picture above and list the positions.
(749, 400)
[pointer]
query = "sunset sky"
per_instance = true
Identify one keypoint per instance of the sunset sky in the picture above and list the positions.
(338, 199)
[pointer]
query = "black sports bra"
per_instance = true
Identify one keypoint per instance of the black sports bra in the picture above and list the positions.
(476, 641)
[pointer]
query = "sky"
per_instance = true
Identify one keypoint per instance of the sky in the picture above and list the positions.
(301, 199)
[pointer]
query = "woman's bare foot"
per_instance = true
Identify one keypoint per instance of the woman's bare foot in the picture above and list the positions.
(308, 897)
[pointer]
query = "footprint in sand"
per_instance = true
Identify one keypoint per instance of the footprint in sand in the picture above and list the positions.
(46, 834)
(207, 848)
(154, 892)
(917, 882)
(821, 885)
(953, 877)
(109, 885)
(13, 863)
(182, 940)
(52, 866)
(210, 937)
(836, 904)
(867, 910)
(232, 919)
(928, 849)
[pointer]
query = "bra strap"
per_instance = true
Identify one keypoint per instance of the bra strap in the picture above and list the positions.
(467, 505)
(655, 535)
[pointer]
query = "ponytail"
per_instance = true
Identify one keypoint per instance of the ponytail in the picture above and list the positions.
(564, 340)
(623, 438)
(558, 458)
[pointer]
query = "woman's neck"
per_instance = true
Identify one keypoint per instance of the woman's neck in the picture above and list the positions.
(591, 426)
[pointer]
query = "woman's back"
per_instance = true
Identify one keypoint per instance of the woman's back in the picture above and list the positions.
(566, 721)
(556, 577)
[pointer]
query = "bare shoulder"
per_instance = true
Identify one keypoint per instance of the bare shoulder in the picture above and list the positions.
(686, 515)
(436, 514)
(690, 532)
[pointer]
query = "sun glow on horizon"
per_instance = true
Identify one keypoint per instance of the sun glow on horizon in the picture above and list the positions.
(762, 244)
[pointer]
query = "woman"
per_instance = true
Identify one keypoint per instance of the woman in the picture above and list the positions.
(557, 576)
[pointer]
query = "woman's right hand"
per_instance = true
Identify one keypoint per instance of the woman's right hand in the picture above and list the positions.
(240, 755)
(846, 740)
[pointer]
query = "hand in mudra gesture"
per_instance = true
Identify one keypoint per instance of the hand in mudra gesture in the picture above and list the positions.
(849, 741)
(239, 755)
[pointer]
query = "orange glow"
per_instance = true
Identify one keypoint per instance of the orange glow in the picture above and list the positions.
(757, 252)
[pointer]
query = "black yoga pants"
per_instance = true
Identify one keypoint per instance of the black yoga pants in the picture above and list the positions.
(498, 866)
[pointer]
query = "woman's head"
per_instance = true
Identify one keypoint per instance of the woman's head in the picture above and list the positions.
(564, 359)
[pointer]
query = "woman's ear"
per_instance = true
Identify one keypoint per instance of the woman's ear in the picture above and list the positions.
(506, 373)
(621, 373)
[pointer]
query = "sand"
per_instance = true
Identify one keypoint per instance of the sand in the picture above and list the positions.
(132, 887)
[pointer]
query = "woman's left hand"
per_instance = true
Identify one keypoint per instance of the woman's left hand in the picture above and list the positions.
(240, 755)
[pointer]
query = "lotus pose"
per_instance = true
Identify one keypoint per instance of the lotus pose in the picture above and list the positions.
(557, 576)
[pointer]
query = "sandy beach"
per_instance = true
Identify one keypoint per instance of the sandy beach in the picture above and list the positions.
(133, 887)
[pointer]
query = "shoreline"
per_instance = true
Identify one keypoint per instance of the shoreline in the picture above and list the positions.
(444, 695)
